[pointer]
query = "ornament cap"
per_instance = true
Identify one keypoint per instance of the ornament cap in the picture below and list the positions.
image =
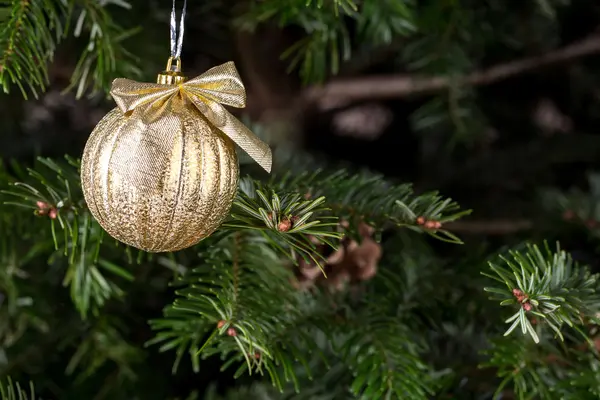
(172, 74)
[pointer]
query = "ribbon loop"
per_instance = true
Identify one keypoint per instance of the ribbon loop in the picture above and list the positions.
(220, 85)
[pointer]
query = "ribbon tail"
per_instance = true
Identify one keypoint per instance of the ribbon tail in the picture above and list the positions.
(258, 150)
(130, 95)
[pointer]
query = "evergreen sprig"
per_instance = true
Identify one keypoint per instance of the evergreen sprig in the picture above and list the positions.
(32, 30)
(10, 390)
(101, 344)
(334, 378)
(287, 218)
(20, 311)
(525, 365)
(241, 305)
(329, 40)
(547, 371)
(371, 198)
(384, 360)
(547, 285)
(105, 57)
(580, 208)
(380, 22)
(53, 191)
(28, 38)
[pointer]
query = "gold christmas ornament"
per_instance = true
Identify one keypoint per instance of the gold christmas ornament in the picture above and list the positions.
(160, 171)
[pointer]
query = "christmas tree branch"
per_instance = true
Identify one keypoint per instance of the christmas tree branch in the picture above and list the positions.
(32, 30)
(28, 40)
(105, 58)
(370, 198)
(382, 343)
(240, 304)
(549, 290)
(10, 390)
(577, 207)
(284, 217)
(548, 371)
(53, 191)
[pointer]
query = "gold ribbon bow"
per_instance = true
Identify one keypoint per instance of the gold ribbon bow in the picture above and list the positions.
(219, 85)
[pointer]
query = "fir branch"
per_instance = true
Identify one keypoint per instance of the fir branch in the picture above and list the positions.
(379, 343)
(19, 310)
(382, 21)
(546, 285)
(239, 304)
(105, 58)
(518, 362)
(332, 383)
(327, 41)
(10, 390)
(287, 218)
(346, 5)
(53, 191)
(103, 344)
(547, 371)
(28, 40)
(384, 362)
(577, 207)
(370, 198)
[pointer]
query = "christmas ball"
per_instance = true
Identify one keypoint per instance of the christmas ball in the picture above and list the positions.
(160, 172)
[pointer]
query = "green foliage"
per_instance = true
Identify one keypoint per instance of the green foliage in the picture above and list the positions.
(346, 5)
(239, 301)
(10, 390)
(545, 371)
(246, 314)
(104, 58)
(32, 30)
(549, 291)
(244, 279)
(381, 22)
(254, 209)
(102, 343)
(328, 41)
(384, 360)
(546, 285)
(370, 198)
(259, 323)
(440, 38)
(28, 39)
(577, 207)
(77, 238)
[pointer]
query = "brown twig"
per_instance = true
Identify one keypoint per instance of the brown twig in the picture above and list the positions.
(496, 227)
(395, 86)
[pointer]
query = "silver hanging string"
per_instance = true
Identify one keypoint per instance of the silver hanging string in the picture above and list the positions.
(177, 42)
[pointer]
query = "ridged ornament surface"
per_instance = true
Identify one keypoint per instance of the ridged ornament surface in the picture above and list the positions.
(159, 182)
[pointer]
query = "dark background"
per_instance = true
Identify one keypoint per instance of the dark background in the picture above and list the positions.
(541, 130)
